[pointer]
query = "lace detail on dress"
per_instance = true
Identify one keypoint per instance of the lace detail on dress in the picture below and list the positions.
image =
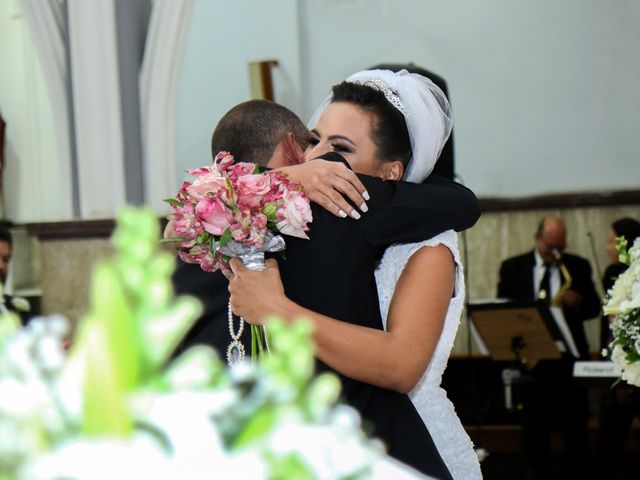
(430, 400)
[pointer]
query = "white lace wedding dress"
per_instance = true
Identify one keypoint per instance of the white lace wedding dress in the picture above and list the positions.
(431, 402)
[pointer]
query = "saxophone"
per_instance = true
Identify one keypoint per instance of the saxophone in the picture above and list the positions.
(557, 299)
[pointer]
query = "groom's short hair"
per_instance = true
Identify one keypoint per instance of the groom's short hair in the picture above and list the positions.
(252, 130)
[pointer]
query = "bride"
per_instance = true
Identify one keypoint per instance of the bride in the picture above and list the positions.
(420, 285)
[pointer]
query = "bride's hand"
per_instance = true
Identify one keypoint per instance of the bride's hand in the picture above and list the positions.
(253, 293)
(325, 182)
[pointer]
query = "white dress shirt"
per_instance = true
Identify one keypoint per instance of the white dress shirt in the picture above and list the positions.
(555, 281)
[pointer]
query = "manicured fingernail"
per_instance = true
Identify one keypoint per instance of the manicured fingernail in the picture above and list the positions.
(342, 213)
(364, 207)
(365, 195)
(355, 214)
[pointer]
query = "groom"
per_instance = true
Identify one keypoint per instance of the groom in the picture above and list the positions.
(272, 136)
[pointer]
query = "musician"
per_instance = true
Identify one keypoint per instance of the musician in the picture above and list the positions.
(554, 400)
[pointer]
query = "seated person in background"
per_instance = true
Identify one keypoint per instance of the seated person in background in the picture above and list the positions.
(554, 399)
(630, 230)
(17, 305)
(621, 403)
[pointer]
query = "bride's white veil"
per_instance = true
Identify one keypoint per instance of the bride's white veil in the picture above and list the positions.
(425, 108)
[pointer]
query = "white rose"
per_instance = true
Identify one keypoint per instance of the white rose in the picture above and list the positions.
(630, 371)
(634, 251)
(621, 294)
(631, 374)
(294, 214)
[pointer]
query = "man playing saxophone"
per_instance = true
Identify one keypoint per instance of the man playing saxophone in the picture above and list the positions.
(554, 401)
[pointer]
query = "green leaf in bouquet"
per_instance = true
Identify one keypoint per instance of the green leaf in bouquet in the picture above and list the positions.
(257, 333)
(212, 244)
(202, 237)
(104, 407)
(121, 339)
(174, 202)
(270, 210)
(254, 347)
(321, 394)
(160, 321)
(257, 427)
(623, 250)
(136, 234)
(172, 239)
(289, 466)
(163, 331)
(233, 196)
(294, 362)
(225, 238)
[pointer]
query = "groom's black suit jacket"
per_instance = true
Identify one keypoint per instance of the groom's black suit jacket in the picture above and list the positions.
(516, 282)
(333, 273)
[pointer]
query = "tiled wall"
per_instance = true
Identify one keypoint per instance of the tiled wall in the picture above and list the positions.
(66, 267)
(66, 264)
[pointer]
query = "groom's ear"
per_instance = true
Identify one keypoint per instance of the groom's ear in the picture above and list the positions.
(392, 170)
(292, 151)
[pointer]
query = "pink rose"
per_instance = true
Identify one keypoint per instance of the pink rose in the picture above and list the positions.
(205, 184)
(294, 214)
(251, 189)
(253, 184)
(214, 215)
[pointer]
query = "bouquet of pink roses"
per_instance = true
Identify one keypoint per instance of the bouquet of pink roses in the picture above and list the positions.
(230, 209)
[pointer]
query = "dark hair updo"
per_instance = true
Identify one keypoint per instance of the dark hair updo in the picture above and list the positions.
(627, 228)
(389, 133)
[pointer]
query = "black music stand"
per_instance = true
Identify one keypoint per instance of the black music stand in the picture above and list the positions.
(524, 331)
(521, 332)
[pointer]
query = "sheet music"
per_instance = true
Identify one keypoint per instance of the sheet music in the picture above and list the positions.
(558, 316)
(475, 336)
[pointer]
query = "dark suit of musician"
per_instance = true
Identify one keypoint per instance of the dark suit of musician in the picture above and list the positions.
(553, 400)
(517, 282)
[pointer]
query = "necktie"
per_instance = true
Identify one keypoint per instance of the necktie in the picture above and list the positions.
(544, 290)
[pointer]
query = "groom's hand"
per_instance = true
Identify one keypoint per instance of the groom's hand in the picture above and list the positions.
(326, 182)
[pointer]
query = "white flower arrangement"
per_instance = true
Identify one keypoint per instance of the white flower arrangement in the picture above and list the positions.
(118, 406)
(623, 301)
